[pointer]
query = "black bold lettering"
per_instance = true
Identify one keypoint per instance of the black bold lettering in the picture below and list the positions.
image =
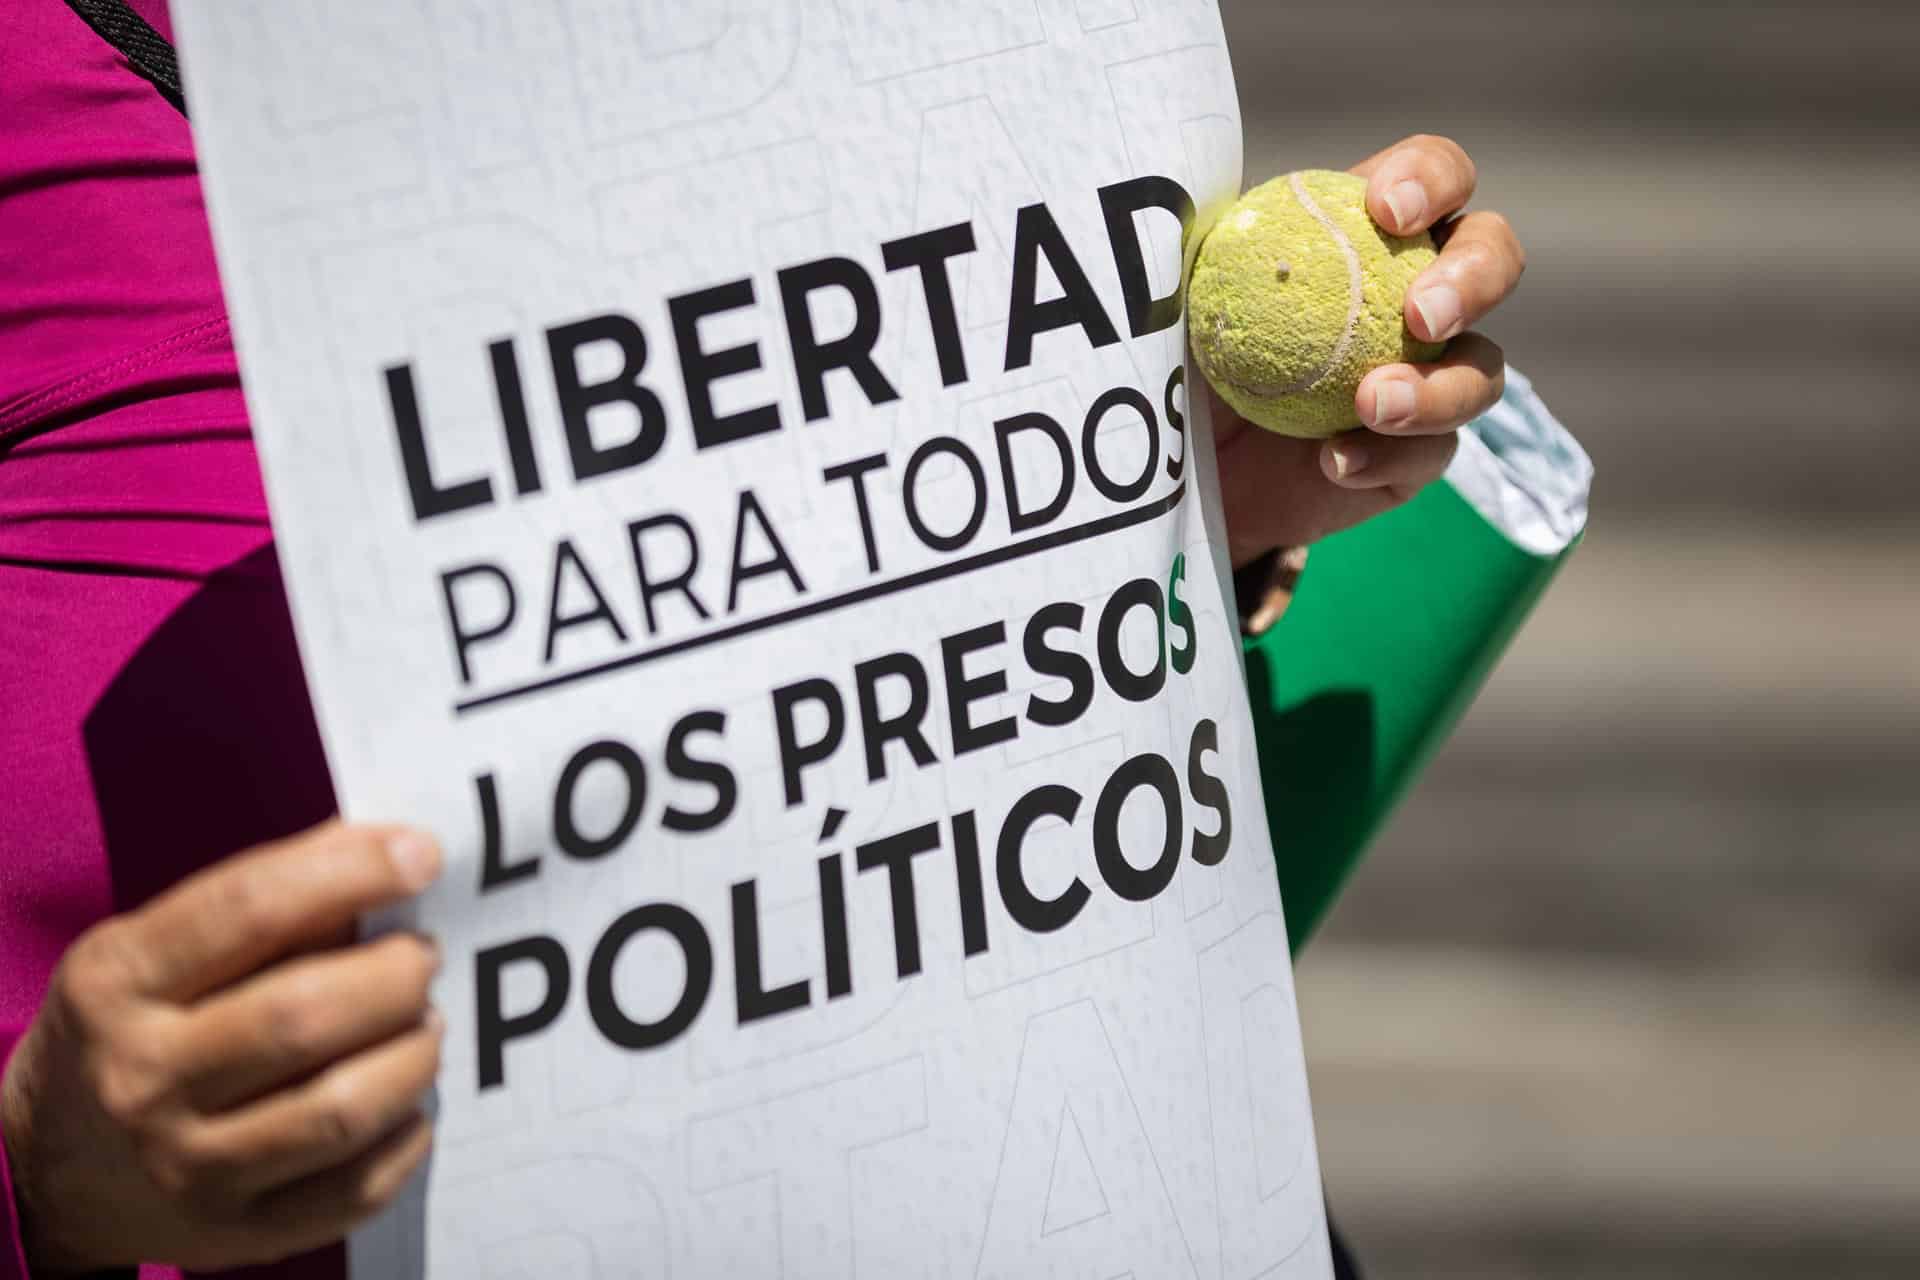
(930, 251)
(1138, 884)
(967, 879)
(877, 730)
(700, 368)
(1036, 914)
(1141, 593)
(1019, 521)
(429, 498)
(896, 853)
(1209, 792)
(1089, 434)
(855, 473)
(464, 638)
(814, 359)
(680, 583)
(1120, 202)
(752, 1001)
(684, 928)
(1176, 381)
(776, 561)
(963, 691)
(566, 827)
(1061, 664)
(684, 765)
(910, 494)
(794, 754)
(578, 399)
(600, 611)
(495, 870)
(491, 1023)
(833, 927)
(1036, 233)
(513, 416)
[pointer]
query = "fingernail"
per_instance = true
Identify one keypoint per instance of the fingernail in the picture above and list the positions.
(1439, 306)
(416, 857)
(1408, 202)
(435, 1021)
(1393, 404)
(1348, 460)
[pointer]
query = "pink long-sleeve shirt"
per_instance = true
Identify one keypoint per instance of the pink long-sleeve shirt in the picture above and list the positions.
(152, 712)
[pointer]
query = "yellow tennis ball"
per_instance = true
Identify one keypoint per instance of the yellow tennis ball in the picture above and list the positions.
(1296, 295)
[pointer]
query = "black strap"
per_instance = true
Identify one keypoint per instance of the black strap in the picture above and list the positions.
(145, 49)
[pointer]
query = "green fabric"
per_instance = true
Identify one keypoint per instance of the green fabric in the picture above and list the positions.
(1390, 635)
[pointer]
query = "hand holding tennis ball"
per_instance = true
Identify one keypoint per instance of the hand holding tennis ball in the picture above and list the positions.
(1371, 412)
(1297, 295)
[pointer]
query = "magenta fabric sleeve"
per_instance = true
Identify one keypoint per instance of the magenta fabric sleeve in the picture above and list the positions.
(13, 1252)
(153, 715)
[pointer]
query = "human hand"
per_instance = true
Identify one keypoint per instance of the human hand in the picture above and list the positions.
(1279, 491)
(223, 1076)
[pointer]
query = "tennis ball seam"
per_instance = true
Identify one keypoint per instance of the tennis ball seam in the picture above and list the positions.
(1356, 303)
(1356, 300)
(1280, 351)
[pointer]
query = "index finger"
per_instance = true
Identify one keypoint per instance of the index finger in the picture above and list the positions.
(236, 916)
(1418, 182)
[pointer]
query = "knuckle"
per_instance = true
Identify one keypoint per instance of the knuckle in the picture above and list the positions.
(412, 962)
(98, 967)
(362, 844)
(426, 954)
(373, 1190)
(382, 1181)
(341, 1118)
(1500, 229)
(1474, 399)
(1447, 150)
(1469, 171)
(245, 903)
(359, 856)
(1476, 258)
(295, 1021)
(129, 1090)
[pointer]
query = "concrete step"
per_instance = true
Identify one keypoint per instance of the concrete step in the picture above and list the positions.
(1702, 752)
(1718, 200)
(1568, 1118)
(1777, 69)
(1628, 986)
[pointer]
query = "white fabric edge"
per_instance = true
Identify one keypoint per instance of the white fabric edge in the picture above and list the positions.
(1524, 472)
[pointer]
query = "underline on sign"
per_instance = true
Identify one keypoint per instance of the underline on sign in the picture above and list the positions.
(827, 604)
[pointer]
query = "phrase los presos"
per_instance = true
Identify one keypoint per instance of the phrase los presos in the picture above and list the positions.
(959, 854)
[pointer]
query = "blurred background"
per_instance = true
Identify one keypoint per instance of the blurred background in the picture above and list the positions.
(1632, 985)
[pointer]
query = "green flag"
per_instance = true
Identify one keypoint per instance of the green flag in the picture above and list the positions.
(1391, 633)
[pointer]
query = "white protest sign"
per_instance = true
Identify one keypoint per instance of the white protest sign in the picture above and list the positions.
(734, 474)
